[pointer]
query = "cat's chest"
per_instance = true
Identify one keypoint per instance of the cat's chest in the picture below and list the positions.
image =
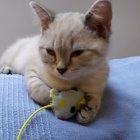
(60, 85)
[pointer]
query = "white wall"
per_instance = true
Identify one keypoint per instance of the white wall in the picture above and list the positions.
(125, 39)
(16, 21)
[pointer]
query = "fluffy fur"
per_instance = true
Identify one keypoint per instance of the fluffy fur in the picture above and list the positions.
(70, 52)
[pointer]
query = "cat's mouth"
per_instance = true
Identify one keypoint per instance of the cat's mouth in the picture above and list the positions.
(67, 75)
(70, 74)
(74, 74)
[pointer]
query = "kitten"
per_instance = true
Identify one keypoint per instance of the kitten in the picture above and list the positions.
(70, 52)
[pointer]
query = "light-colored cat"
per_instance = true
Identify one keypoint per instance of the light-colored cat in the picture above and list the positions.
(70, 52)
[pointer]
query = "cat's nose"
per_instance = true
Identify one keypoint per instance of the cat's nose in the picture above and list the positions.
(61, 70)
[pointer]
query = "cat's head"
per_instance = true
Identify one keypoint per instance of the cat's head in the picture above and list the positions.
(73, 44)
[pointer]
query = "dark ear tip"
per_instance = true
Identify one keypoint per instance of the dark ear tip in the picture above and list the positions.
(33, 4)
(108, 2)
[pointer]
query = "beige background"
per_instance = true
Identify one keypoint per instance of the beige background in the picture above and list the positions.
(16, 21)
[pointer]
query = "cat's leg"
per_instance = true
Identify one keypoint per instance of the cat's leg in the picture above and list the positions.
(37, 89)
(89, 111)
(5, 69)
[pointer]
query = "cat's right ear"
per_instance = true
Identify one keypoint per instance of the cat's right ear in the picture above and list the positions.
(43, 14)
(99, 17)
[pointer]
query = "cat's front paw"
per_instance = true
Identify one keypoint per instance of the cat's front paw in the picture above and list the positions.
(87, 112)
(6, 70)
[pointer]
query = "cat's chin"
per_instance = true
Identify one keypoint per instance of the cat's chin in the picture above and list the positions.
(70, 76)
(75, 75)
(67, 76)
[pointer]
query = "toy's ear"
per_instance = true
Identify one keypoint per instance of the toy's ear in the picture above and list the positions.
(53, 93)
(44, 15)
(99, 16)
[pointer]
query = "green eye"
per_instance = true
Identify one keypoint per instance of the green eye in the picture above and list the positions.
(77, 53)
(50, 52)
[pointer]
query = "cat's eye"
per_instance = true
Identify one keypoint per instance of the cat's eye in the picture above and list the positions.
(50, 52)
(77, 53)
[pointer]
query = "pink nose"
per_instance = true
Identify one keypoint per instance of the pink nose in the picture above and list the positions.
(61, 117)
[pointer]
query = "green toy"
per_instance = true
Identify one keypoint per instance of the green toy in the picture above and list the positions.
(65, 104)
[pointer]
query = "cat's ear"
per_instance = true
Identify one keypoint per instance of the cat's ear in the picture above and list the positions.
(43, 14)
(99, 17)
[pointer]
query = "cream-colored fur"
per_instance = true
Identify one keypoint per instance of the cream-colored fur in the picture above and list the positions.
(87, 71)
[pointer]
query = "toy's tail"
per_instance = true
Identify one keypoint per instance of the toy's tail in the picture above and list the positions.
(30, 117)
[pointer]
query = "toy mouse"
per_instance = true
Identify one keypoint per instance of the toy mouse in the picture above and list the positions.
(66, 103)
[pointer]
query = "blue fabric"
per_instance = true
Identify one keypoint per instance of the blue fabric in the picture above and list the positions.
(119, 117)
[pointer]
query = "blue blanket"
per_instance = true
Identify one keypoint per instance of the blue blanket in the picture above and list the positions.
(118, 119)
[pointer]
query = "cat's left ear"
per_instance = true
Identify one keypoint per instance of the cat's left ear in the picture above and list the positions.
(98, 17)
(44, 15)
